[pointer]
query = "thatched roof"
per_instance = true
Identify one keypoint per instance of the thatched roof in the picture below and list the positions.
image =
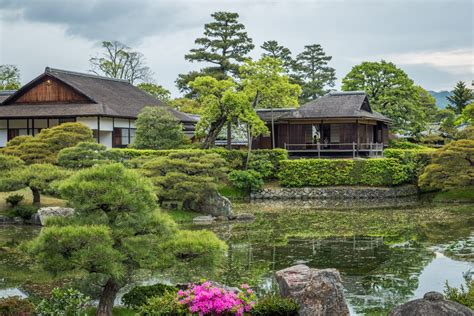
(107, 97)
(351, 104)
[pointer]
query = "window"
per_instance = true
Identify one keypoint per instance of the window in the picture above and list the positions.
(335, 133)
(14, 132)
(132, 134)
(123, 136)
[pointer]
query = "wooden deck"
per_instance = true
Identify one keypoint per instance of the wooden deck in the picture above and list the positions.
(354, 149)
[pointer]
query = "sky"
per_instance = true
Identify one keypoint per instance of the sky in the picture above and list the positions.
(433, 41)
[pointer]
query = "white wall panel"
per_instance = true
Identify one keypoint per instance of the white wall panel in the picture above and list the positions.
(3, 123)
(3, 138)
(18, 124)
(121, 123)
(90, 122)
(106, 124)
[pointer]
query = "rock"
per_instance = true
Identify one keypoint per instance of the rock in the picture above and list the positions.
(318, 291)
(432, 304)
(215, 204)
(46, 212)
(243, 217)
(202, 220)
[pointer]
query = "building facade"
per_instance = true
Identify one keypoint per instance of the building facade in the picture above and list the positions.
(108, 106)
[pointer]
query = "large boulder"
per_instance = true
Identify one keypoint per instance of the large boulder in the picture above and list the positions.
(318, 291)
(432, 304)
(214, 204)
(46, 212)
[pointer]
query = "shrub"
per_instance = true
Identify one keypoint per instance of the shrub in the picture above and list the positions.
(166, 304)
(207, 299)
(248, 180)
(404, 144)
(16, 305)
(14, 199)
(324, 172)
(276, 305)
(463, 295)
(83, 155)
(68, 302)
(24, 211)
(413, 160)
(139, 295)
(10, 162)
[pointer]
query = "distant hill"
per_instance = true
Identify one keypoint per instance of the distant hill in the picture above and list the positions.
(440, 97)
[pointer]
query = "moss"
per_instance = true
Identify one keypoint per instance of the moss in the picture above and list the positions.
(458, 195)
(182, 216)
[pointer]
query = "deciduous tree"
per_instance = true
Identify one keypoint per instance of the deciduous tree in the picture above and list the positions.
(156, 91)
(121, 62)
(157, 129)
(187, 105)
(9, 77)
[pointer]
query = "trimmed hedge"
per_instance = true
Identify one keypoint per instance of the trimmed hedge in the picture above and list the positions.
(326, 172)
(413, 160)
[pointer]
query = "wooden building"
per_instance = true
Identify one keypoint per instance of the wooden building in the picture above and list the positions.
(108, 106)
(337, 124)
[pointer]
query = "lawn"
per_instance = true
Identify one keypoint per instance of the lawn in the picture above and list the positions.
(45, 200)
(456, 195)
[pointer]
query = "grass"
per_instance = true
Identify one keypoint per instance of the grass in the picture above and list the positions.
(45, 200)
(465, 195)
(182, 216)
(232, 192)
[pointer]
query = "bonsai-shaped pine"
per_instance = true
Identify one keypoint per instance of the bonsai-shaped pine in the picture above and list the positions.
(187, 176)
(38, 178)
(157, 129)
(83, 155)
(44, 147)
(115, 231)
(452, 167)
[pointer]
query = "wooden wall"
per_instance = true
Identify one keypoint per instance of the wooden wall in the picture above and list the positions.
(50, 90)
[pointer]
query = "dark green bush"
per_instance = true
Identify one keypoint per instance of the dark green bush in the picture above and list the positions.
(275, 305)
(24, 211)
(16, 305)
(83, 155)
(413, 160)
(325, 172)
(248, 180)
(69, 302)
(139, 295)
(403, 144)
(14, 199)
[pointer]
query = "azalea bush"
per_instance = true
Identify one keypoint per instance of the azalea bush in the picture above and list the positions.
(206, 299)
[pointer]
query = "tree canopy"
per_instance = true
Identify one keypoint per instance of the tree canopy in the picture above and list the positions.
(9, 77)
(187, 105)
(115, 231)
(156, 91)
(391, 92)
(156, 128)
(121, 62)
(275, 50)
(460, 97)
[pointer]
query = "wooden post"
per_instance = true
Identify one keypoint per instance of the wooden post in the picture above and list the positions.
(98, 129)
(357, 135)
(353, 149)
(319, 149)
(33, 127)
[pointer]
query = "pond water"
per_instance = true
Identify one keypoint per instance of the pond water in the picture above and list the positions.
(387, 252)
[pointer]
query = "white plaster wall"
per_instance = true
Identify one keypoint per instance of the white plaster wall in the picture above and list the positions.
(53, 122)
(90, 122)
(132, 123)
(106, 124)
(18, 124)
(3, 123)
(42, 123)
(106, 138)
(121, 123)
(3, 137)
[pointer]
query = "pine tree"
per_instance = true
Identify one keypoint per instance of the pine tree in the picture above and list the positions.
(312, 70)
(460, 97)
(274, 50)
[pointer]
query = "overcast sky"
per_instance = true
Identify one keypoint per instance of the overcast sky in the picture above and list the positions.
(431, 40)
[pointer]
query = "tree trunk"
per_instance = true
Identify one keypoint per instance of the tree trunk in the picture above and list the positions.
(107, 298)
(36, 196)
(214, 132)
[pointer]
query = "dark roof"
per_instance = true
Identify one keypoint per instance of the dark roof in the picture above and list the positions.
(4, 94)
(108, 97)
(350, 104)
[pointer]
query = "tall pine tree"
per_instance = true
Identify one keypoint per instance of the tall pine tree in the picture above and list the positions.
(460, 97)
(275, 50)
(224, 45)
(313, 72)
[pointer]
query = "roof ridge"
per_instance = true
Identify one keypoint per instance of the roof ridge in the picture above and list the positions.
(357, 92)
(49, 70)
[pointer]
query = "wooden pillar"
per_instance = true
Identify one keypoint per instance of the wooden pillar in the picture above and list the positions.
(129, 130)
(357, 133)
(27, 126)
(8, 130)
(98, 129)
(33, 127)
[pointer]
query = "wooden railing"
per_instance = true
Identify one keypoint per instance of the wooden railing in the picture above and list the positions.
(370, 149)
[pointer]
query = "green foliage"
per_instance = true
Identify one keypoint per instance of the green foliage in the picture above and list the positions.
(403, 144)
(451, 167)
(9, 77)
(23, 211)
(275, 305)
(157, 91)
(14, 199)
(166, 304)
(459, 98)
(248, 180)
(274, 50)
(187, 105)
(10, 162)
(462, 295)
(139, 295)
(313, 73)
(467, 115)
(187, 176)
(325, 172)
(44, 147)
(67, 302)
(391, 92)
(83, 155)
(458, 195)
(157, 129)
(413, 161)
(15, 305)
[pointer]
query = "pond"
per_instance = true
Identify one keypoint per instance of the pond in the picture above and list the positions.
(387, 253)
